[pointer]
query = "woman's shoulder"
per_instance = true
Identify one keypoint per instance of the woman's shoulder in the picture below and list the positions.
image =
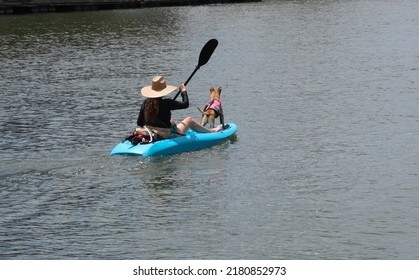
(168, 102)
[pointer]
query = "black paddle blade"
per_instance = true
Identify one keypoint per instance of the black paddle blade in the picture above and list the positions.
(207, 51)
(204, 56)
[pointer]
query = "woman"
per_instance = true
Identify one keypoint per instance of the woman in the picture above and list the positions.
(156, 112)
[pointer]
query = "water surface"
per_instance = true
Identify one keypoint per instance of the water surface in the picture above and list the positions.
(325, 165)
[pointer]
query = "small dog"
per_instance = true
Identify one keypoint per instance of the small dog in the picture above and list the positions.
(213, 109)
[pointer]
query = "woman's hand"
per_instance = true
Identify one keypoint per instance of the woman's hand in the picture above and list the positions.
(182, 88)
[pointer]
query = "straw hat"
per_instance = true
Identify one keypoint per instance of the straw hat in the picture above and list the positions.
(158, 88)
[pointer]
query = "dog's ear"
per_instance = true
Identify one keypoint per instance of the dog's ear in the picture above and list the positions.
(219, 90)
(212, 89)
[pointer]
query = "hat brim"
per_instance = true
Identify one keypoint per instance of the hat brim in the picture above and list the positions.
(150, 93)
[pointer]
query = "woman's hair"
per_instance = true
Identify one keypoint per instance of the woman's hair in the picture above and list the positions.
(151, 109)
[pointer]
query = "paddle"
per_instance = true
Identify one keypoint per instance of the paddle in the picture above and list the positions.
(204, 56)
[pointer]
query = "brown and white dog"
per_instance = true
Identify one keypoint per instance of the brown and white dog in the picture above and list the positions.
(213, 109)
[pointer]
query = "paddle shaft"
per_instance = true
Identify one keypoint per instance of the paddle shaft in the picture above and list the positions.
(187, 81)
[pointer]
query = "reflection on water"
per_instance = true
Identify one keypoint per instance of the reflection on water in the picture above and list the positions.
(323, 167)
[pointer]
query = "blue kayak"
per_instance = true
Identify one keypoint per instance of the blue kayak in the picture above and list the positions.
(190, 142)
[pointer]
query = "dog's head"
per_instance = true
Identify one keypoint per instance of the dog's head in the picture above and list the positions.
(215, 94)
